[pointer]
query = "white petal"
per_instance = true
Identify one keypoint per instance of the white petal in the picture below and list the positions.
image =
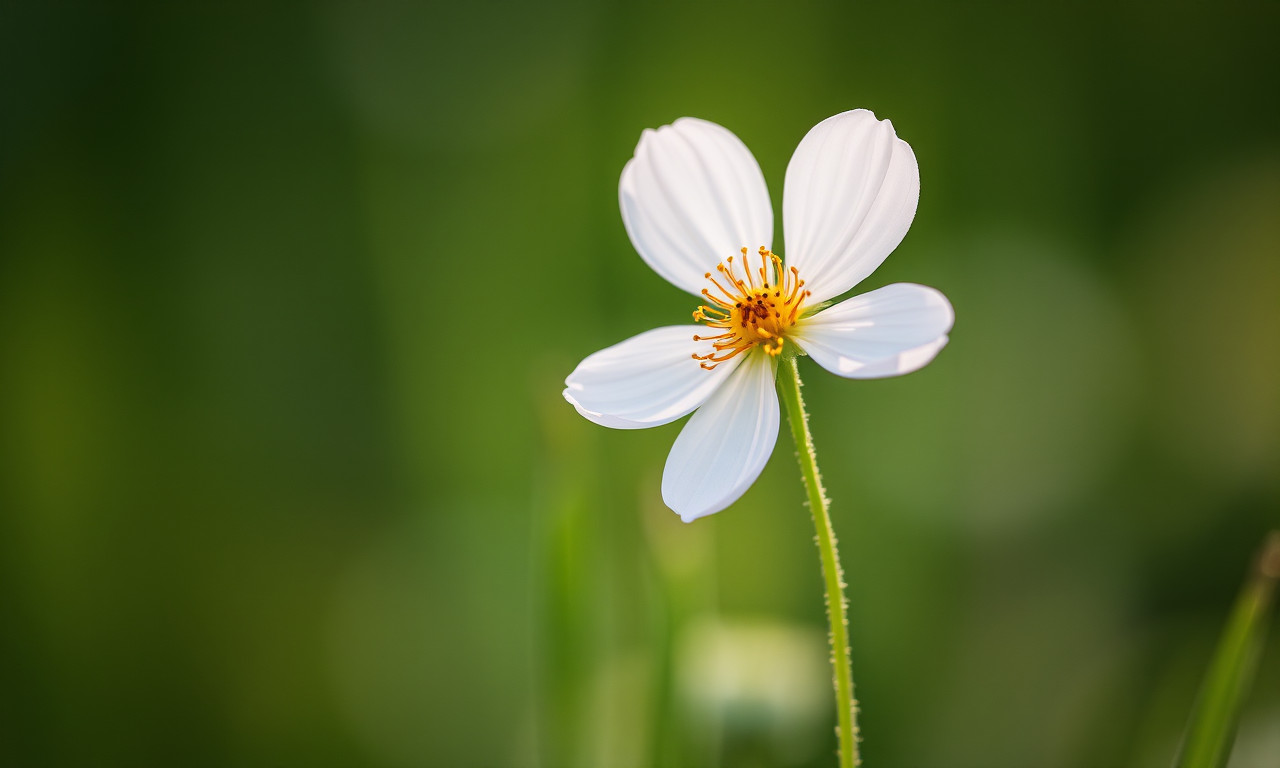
(851, 192)
(725, 445)
(692, 196)
(645, 381)
(892, 330)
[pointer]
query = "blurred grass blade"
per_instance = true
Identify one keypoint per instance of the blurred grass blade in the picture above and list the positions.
(1212, 728)
(567, 522)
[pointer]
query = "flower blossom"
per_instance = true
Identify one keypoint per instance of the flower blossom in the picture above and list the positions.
(695, 205)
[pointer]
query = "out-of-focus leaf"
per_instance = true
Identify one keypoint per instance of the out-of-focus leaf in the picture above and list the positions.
(1216, 715)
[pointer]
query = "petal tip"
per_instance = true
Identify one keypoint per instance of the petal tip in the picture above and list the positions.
(687, 120)
(689, 515)
(939, 299)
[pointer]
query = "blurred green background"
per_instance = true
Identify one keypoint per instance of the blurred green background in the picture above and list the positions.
(287, 297)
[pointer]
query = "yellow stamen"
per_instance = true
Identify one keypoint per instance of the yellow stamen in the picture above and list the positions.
(759, 310)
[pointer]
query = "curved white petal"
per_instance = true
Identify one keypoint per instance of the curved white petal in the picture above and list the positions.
(889, 331)
(851, 193)
(725, 445)
(692, 196)
(647, 380)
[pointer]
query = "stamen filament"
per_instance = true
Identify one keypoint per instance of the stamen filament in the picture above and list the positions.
(706, 292)
(746, 269)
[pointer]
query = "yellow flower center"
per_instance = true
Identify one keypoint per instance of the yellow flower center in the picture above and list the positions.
(758, 308)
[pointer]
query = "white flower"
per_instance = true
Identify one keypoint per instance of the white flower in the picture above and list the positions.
(695, 205)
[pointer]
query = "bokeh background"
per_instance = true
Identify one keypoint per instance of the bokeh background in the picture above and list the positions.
(288, 293)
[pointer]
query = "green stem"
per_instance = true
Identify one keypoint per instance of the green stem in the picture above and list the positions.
(837, 614)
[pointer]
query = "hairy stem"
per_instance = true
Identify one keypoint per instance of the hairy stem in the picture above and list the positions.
(846, 705)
